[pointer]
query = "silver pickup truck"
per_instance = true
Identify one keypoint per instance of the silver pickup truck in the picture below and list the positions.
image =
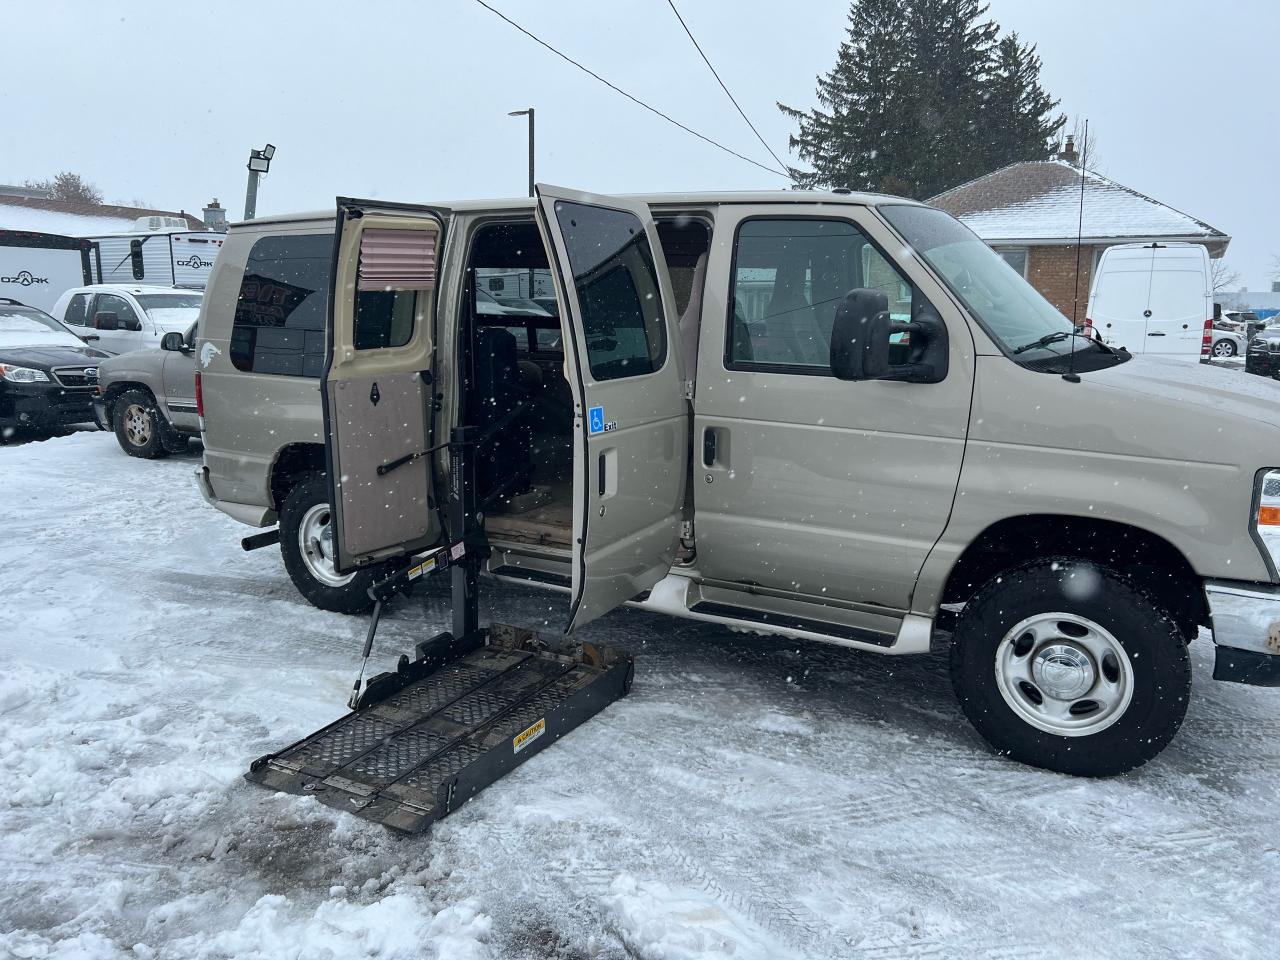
(148, 397)
(832, 416)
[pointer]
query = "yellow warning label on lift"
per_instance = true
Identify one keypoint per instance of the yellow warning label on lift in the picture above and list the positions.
(527, 736)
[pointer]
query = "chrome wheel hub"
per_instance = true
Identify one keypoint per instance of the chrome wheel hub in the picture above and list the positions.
(315, 541)
(137, 425)
(1062, 670)
(1064, 674)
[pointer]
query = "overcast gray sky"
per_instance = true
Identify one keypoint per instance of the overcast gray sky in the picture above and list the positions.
(408, 101)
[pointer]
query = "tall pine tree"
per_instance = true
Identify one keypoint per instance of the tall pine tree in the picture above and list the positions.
(923, 96)
(1022, 126)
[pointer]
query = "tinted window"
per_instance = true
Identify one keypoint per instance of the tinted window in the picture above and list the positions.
(280, 314)
(78, 310)
(617, 285)
(385, 318)
(789, 278)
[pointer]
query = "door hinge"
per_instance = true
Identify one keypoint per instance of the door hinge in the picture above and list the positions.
(687, 386)
(686, 529)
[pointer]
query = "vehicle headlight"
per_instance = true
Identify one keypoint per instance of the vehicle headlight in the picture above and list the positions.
(1266, 518)
(22, 374)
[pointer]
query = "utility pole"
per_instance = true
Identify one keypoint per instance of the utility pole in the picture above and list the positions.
(259, 163)
(529, 114)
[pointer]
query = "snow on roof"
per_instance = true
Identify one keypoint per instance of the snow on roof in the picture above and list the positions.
(1040, 200)
(72, 219)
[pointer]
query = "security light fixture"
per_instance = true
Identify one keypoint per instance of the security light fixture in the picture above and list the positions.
(259, 163)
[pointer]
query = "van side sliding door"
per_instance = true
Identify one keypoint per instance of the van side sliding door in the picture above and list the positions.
(631, 418)
(376, 386)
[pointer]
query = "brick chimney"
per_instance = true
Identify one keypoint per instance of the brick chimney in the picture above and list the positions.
(1068, 152)
(215, 217)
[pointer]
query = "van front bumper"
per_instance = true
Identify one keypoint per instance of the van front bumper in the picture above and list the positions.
(1246, 630)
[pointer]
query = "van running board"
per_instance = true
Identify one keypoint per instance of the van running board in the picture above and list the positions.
(426, 738)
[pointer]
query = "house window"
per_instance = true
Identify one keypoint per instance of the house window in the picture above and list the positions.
(1015, 257)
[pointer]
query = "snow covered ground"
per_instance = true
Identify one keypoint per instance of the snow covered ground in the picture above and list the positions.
(752, 798)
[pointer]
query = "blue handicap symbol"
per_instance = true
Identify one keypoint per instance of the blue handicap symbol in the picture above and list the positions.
(596, 419)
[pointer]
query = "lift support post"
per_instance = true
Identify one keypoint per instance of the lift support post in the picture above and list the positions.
(470, 705)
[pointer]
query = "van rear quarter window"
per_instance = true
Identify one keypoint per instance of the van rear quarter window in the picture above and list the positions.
(617, 286)
(280, 313)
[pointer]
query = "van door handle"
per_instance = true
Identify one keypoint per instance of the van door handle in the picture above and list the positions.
(1156, 333)
(709, 447)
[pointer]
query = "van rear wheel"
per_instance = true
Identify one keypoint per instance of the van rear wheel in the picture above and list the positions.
(307, 546)
(1066, 665)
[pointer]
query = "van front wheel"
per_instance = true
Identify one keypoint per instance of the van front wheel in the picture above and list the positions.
(1066, 665)
(306, 544)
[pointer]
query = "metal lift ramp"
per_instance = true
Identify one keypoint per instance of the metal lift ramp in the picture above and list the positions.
(470, 706)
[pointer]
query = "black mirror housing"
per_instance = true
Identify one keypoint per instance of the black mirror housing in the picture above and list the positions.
(173, 341)
(106, 321)
(860, 336)
(861, 341)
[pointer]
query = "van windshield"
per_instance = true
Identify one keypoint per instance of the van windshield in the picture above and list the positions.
(1008, 307)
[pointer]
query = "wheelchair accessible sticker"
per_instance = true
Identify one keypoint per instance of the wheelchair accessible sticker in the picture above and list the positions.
(596, 423)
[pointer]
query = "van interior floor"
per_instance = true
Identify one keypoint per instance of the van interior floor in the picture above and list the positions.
(543, 517)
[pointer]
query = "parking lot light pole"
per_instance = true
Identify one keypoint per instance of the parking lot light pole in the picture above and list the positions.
(529, 114)
(259, 163)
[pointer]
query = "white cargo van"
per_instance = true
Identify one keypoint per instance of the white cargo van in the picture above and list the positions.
(1154, 298)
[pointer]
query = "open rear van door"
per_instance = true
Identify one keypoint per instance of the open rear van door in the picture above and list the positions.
(377, 384)
(631, 424)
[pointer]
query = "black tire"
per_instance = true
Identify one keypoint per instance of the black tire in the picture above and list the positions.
(1156, 651)
(349, 597)
(140, 428)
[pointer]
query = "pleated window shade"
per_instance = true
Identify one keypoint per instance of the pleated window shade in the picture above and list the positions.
(397, 260)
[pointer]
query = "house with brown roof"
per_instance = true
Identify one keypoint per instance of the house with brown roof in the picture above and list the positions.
(78, 219)
(1030, 213)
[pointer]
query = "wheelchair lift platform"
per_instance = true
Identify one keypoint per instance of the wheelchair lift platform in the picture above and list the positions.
(470, 706)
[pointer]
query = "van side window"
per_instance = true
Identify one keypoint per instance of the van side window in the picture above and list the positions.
(397, 272)
(789, 277)
(617, 284)
(385, 318)
(280, 313)
(77, 310)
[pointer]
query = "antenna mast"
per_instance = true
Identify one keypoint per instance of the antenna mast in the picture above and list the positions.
(1075, 298)
(1084, 156)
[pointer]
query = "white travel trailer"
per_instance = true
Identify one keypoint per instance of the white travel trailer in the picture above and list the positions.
(1154, 298)
(159, 254)
(35, 268)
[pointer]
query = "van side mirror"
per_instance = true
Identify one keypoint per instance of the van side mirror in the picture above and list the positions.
(173, 341)
(866, 343)
(106, 321)
(1217, 311)
(135, 258)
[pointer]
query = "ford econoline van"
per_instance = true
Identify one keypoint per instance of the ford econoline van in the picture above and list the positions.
(832, 416)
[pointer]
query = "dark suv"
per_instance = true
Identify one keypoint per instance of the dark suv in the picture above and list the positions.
(1263, 354)
(48, 375)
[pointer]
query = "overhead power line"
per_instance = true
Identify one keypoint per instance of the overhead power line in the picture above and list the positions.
(732, 99)
(632, 98)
